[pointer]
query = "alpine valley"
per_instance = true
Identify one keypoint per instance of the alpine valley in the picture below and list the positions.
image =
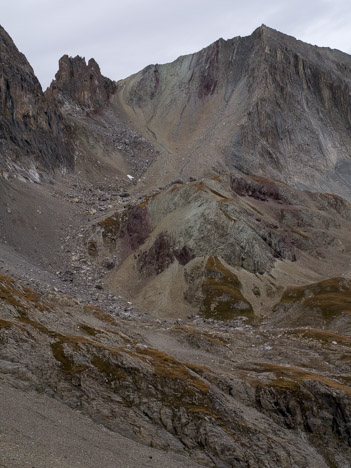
(175, 274)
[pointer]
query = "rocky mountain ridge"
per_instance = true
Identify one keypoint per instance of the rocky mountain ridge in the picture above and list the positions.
(246, 234)
(81, 83)
(265, 104)
(33, 133)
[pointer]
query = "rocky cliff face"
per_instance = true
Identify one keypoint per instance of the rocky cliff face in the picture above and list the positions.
(223, 395)
(107, 145)
(81, 83)
(264, 104)
(33, 135)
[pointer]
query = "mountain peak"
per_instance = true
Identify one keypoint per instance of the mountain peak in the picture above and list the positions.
(81, 83)
(262, 95)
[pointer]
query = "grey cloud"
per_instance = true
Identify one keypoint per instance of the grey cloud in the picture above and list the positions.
(125, 36)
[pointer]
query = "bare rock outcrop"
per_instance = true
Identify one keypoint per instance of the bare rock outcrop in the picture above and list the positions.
(84, 97)
(81, 83)
(33, 134)
(226, 246)
(254, 405)
(265, 104)
(211, 315)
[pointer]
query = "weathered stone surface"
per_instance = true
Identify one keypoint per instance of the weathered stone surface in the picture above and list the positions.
(81, 83)
(254, 405)
(33, 135)
(261, 230)
(265, 104)
(325, 304)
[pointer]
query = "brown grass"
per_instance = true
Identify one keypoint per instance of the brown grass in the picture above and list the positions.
(103, 316)
(151, 197)
(296, 375)
(5, 323)
(112, 371)
(218, 194)
(190, 331)
(201, 186)
(89, 330)
(228, 216)
(331, 297)
(18, 295)
(68, 365)
(168, 367)
(301, 234)
(255, 209)
(222, 290)
(225, 200)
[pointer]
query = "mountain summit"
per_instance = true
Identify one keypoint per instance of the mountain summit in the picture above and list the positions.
(265, 104)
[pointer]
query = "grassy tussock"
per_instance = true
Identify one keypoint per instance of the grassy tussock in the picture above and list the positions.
(331, 297)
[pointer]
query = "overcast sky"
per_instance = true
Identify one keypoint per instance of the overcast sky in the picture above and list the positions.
(126, 35)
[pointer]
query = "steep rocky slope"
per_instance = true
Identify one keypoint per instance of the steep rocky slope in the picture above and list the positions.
(184, 280)
(225, 396)
(107, 146)
(81, 84)
(223, 247)
(265, 104)
(33, 134)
